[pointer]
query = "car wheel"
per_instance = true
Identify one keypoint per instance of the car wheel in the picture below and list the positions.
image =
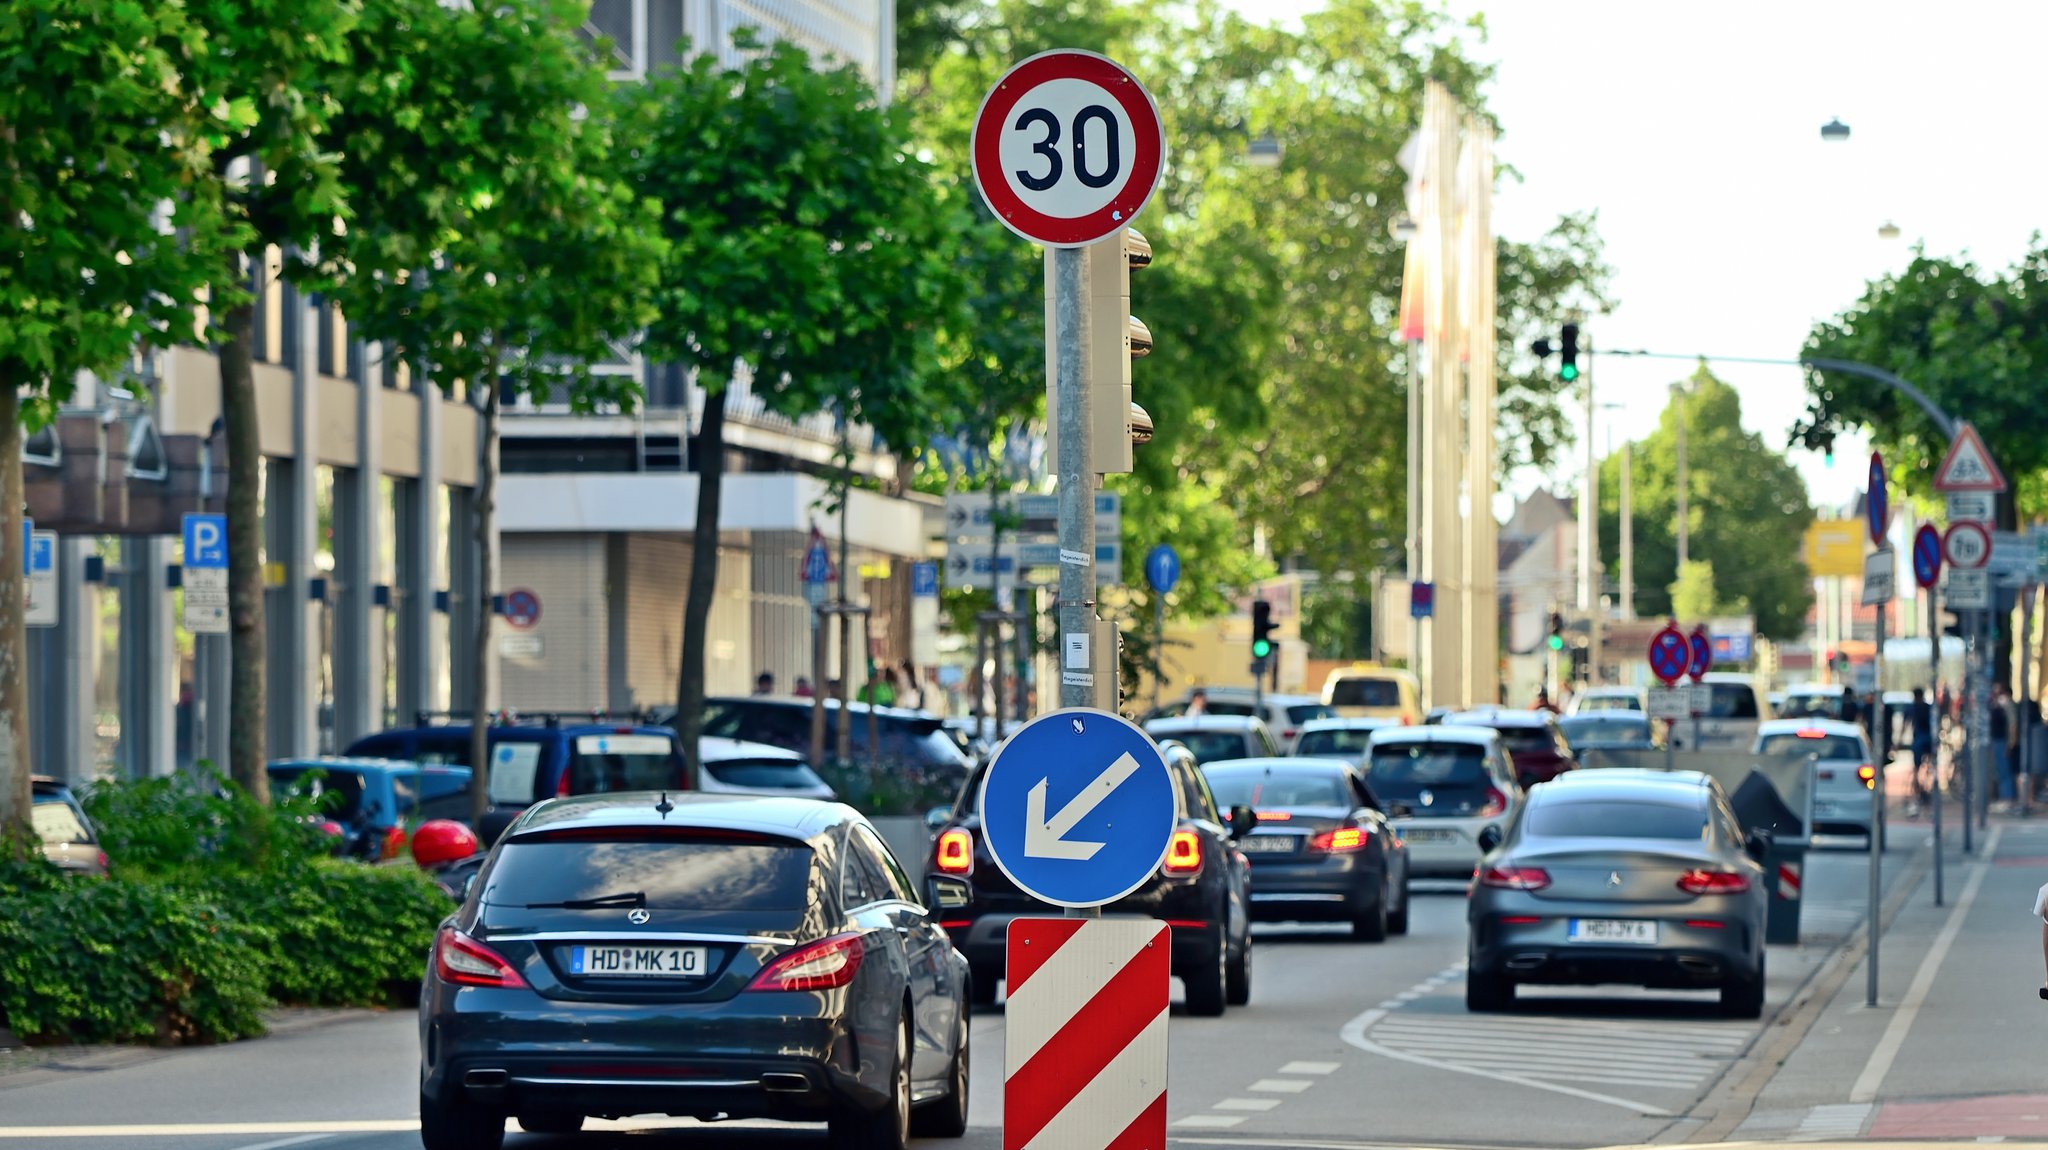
(551, 1122)
(1206, 997)
(981, 986)
(1488, 993)
(1237, 977)
(1397, 922)
(456, 1123)
(1743, 997)
(947, 1117)
(1372, 925)
(888, 1127)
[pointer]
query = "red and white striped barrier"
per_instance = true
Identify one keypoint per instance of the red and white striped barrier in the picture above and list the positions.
(1788, 880)
(1085, 1042)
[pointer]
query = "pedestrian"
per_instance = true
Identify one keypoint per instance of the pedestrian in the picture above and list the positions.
(1849, 709)
(764, 683)
(1198, 703)
(2004, 718)
(803, 690)
(1543, 702)
(912, 691)
(1920, 721)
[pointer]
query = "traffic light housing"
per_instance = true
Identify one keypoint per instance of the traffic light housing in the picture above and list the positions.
(1568, 353)
(1262, 629)
(1118, 337)
(1556, 631)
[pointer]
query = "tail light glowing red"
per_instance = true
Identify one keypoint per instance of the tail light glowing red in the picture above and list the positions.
(822, 965)
(1341, 841)
(1496, 804)
(1184, 853)
(1868, 774)
(1713, 882)
(955, 852)
(562, 788)
(463, 961)
(1514, 877)
(1275, 816)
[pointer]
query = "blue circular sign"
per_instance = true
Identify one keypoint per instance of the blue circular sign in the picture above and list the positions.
(1162, 568)
(1669, 655)
(1078, 808)
(522, 608)
(1877, 504)
(1701, 653)
(1926, 555)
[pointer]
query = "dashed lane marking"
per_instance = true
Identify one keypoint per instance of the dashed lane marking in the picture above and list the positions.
(1280, 1085)
(1310, 1068)
(211, 1129)
(1207, 1122)
(1258, 1104)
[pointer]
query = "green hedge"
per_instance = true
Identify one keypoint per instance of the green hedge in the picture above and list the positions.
(216, 909)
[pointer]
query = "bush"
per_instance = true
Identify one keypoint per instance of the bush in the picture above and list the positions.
(882, 789)
(342, 933)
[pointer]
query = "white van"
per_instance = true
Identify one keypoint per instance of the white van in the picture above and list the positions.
(1735, 709)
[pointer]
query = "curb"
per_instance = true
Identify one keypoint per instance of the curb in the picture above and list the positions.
(22, 1066)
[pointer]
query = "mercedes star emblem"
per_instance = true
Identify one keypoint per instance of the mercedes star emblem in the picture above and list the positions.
(638, 916)
(1428, 798)
(1614, 878)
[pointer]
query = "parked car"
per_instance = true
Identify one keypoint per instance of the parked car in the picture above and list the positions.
(1283, 715)
(1620, 876)
(1323, 849)
(1444, 785)
(735, 767)
(692, 955)
(913, 743)
(1811, 701)
(1729, 722)
(1533, 740)
(1594, 699)
(1202, 890)
(1844, 774)
(1212, 737)
(1374, 693)
(539, 756)
(375, 803)
(1339, 738)
(70, 842)
(1613, 730)
(978, 737)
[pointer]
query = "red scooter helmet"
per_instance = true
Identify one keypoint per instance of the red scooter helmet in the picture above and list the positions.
(440, 841)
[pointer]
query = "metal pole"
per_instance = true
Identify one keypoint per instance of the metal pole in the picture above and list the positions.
(1589, 507)
(2023, 765)
(1934, 723)
(1628, 532)
(1158, 644)
(1876, 814)
(1071, 388)
(1968, 750)
(981, 679)
(820, 655)
(1415, 503)
(1987, 650)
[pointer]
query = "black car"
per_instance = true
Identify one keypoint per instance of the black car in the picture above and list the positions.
(692, 955)
(1202, 891)
(1323, 850)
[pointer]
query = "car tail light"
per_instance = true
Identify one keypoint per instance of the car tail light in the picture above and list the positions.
(1184, 853)
(1341, 841)
(1514, 877)
(393, 844)
(1868, 774)
(1706, 923)
(1520, 920)
(562, 788)
(955, 852)
(1275, 816)
(1713, 882)
(463, 961)
(1496, 804)
(822, 965)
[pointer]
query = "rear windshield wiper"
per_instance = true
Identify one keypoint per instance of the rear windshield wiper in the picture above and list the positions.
(623, 898)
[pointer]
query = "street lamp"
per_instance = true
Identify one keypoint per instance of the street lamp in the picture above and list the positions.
(1264, 152)
(1834, 131)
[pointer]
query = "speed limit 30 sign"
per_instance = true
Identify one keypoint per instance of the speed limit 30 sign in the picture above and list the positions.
(1067, 147)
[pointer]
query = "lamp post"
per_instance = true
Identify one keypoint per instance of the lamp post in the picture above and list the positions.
(1626, 517)
(1834, 132)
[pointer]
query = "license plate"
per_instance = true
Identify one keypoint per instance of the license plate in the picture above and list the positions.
(1623, 930)
(1430, 836)
(638, 961)
(1821, 808)
(1268, 845)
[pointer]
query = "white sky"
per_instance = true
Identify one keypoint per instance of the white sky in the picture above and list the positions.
(1731, 226)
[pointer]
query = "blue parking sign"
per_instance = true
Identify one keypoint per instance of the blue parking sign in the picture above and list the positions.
(206, 541)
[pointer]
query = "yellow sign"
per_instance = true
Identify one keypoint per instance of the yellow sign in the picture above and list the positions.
(1834, 548)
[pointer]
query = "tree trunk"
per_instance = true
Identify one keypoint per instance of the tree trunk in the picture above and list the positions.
(247, 729)
(703, 581)
(16, 831)
(482, 515)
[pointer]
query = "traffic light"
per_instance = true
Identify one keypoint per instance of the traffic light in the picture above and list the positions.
(1262, 629)
(1556, 631)
(1568, 354)
(1118, 338)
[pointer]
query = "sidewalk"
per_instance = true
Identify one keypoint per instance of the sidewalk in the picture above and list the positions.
(1954, 1047)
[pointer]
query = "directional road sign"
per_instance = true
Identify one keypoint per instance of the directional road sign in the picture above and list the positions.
(1669, 655)
(1084, 1048)
(2012, 555)
(1879, 573)
(924, 580)
(1067, 147)
(1699, 653)
(1981, 506)
(1968, 465)
(1926, 556)
(1078, 807)
(1966, 545)
(1162, 568)
(971, 515)
(1877, 502)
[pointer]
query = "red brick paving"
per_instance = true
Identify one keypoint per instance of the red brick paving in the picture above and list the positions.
(2009, 1116)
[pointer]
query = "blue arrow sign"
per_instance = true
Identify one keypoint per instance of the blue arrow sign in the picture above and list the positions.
(1162, 568)
(1078, 808)
(1877, 504)
(924, 580)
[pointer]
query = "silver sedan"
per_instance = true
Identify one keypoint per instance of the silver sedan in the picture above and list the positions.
(1620, 876)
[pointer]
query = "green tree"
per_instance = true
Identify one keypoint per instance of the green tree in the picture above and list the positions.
(811, 256)
(1693, 598)
(100, 143)
(493, 241)
(1746, 509)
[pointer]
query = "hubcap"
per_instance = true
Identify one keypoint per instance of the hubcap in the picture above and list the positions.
(902, 1088)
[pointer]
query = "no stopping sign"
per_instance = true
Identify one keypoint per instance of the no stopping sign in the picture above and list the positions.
(1067, 147)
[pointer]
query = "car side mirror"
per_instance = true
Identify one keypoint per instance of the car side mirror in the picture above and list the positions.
(1243, 820)
(945, 892)
(468, 883)
(937, 818)
(1490, 839)
(1758, 842)
(1400, 811)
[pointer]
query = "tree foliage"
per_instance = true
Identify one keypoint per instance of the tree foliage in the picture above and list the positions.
(1745, 505)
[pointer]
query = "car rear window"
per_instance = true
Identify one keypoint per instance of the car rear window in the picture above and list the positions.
(55, 822)
(337, 793)
(1344, 741)
(766, 773)
(1277, 787)
(1209, 746)
(1615, 819)
(1731, 701)
(1826, 746)
(1810, 707)
(1605, 730)
(1362, 692)
(601, 764)
(1609, 703)
(1303, 712)
(1428, 765)
(1522, 740)
(675, 873)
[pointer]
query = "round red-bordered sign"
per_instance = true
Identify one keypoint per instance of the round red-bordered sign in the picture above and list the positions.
(1669, 655)
(1049, 148)
(1966, 545)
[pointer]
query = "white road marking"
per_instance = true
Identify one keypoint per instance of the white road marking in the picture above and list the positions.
(1206, 1122)
(1832, 1123)
(280, 1143)
(1310, 1068)
(1260, 1104)
(212, 1129)
(1354, 1032)
(1281, 1085)
(1887, 1048)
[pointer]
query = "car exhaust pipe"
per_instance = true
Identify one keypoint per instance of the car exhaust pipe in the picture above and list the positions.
(1526, 962)
(486, 1080)
(1702, 967)
(785, 1083)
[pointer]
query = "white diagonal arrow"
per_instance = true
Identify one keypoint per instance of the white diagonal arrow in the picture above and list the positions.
(1046, 838)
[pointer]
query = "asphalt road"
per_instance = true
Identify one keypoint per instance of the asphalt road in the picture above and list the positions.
(1345, 1044)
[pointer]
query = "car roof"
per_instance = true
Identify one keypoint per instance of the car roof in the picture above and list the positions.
(1611, 692)
(1499, 718)
(1470, 735)
(358, 763)
(1640, 784)
(1793, 726)
(718, 749)
(1815, 689)
(1284, 762)
(1235, 693)
(859, 707)
(789, 817)
(1732, 678)
(1613, 716)
(1349, 723)
(1205, 723)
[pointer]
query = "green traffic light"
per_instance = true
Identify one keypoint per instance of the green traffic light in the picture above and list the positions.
(1261, 648)
(1568, 372)
(1557, 642)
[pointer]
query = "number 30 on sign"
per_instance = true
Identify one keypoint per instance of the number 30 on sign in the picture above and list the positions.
(1067, 147)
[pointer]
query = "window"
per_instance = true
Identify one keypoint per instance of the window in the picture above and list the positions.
(676, 871)
(55, 821)
(860, 881)
(514, 769)
(1196, 797)
(1616, 819)
(1731, 701)
(1210, 746)
(1428, 765)
(1342, 742)
(1279, 787)
(602, 764)
(889, 874)
(1826, 746)
(1265, 739)
(764, 774)
(1365, 693)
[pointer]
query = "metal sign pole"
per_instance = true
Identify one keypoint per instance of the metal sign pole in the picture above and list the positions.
(1965, 768)
(1876, 814)
(1934, 726)
(1071, 387)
